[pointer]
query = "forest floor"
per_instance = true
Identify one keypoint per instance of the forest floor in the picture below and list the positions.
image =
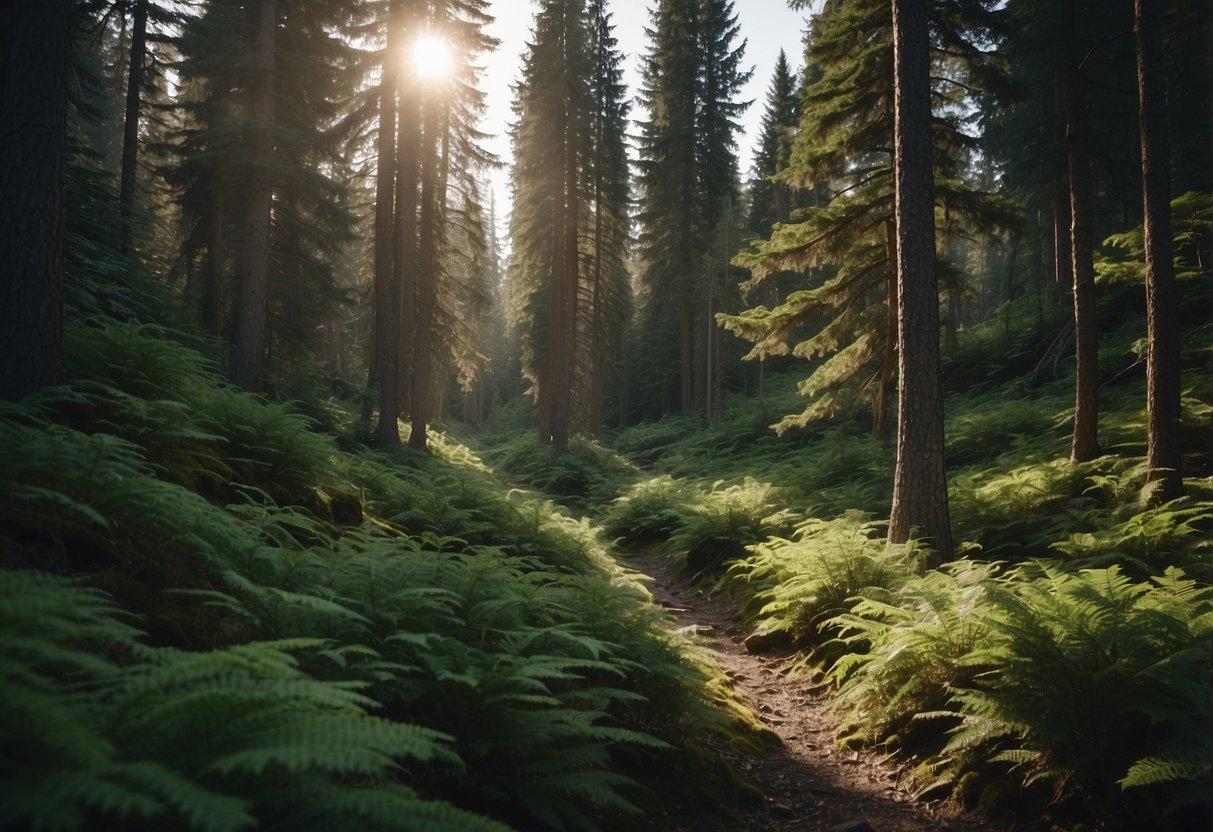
(809, 784)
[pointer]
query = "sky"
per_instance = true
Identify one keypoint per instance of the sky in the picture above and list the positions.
(766, 25)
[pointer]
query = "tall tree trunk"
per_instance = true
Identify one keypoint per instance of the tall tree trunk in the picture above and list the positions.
(920, 487)
(215, 300)
(387, 288)
(33, 154)
(427, 272)
(888, 367)
(1063, 256)
(686, 356)
(130, 132)
(596, 348)
(1164, 453)
(1085, 442)
(249, 355)
(565, 340)
(405, 256)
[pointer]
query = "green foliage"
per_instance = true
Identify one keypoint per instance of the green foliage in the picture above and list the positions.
(798, 586)
(357, 640)
(1090, 683)
(1094, 683)
(1191, 221)
(907, 652)
(649, 512)
(99, 729)
(726, 519)
(1146, 539)
(585, 476)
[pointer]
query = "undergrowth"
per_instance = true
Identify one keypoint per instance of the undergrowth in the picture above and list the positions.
(1061, 667)
(215, 618)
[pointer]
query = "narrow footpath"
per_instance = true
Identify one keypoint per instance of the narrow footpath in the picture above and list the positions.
(809, 785)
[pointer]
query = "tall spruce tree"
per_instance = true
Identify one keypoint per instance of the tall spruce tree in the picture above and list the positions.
(1164, 452)
(920, 486)
(605, 282)
(847, 245)
(262, 176)
(692, 76)
(449, 107)
(551, 148)
(770, 201)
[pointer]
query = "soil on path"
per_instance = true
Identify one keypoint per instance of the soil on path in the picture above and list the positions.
(808, 785)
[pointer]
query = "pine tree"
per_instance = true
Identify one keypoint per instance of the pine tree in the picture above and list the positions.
(387, 294)
(920, 486)
(688, 174)
(552, 108)
(847, 245)
(606, 286)
(254, 147)
(1084, 444)
(1164, 453)
(249, 348)
(770, 201)
(449, 107)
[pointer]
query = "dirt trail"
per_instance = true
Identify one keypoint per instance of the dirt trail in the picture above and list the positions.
(810, 785)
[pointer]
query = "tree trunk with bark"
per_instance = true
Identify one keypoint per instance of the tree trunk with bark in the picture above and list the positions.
(920, 487)
(1084, 445)
(33, 156)
(1164, 452)
(249, 357)
(427, 271)
(888, 367)
(216, 302)
(130, 132)
(387, 288)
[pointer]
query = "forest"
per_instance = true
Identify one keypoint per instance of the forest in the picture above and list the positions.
(853, 475)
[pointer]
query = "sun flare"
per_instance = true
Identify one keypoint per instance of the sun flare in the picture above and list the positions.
(432, 57)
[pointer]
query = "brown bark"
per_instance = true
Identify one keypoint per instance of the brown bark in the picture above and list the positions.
(920, 488)
(33, 153)
(130, 132)
(387, 287)
(215, 300)
(1164, 453)
(405, 257)
(1085, 441)
(249, 356)
(888, 367)
(427, 271)
(595, 414)
(1063, 259)
(686, 357)
(564, 341)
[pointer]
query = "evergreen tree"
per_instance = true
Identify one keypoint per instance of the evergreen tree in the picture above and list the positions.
(848, 244)
(920, 486)
(606, 286)
(249, 347)
(770, 201)
(254, 147)
(1084, 444)
(688, 174)
(449, 107)
(385, 359)
(1164, 452)
(551, 148)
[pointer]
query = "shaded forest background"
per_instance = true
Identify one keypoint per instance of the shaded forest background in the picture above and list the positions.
(928, 397)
